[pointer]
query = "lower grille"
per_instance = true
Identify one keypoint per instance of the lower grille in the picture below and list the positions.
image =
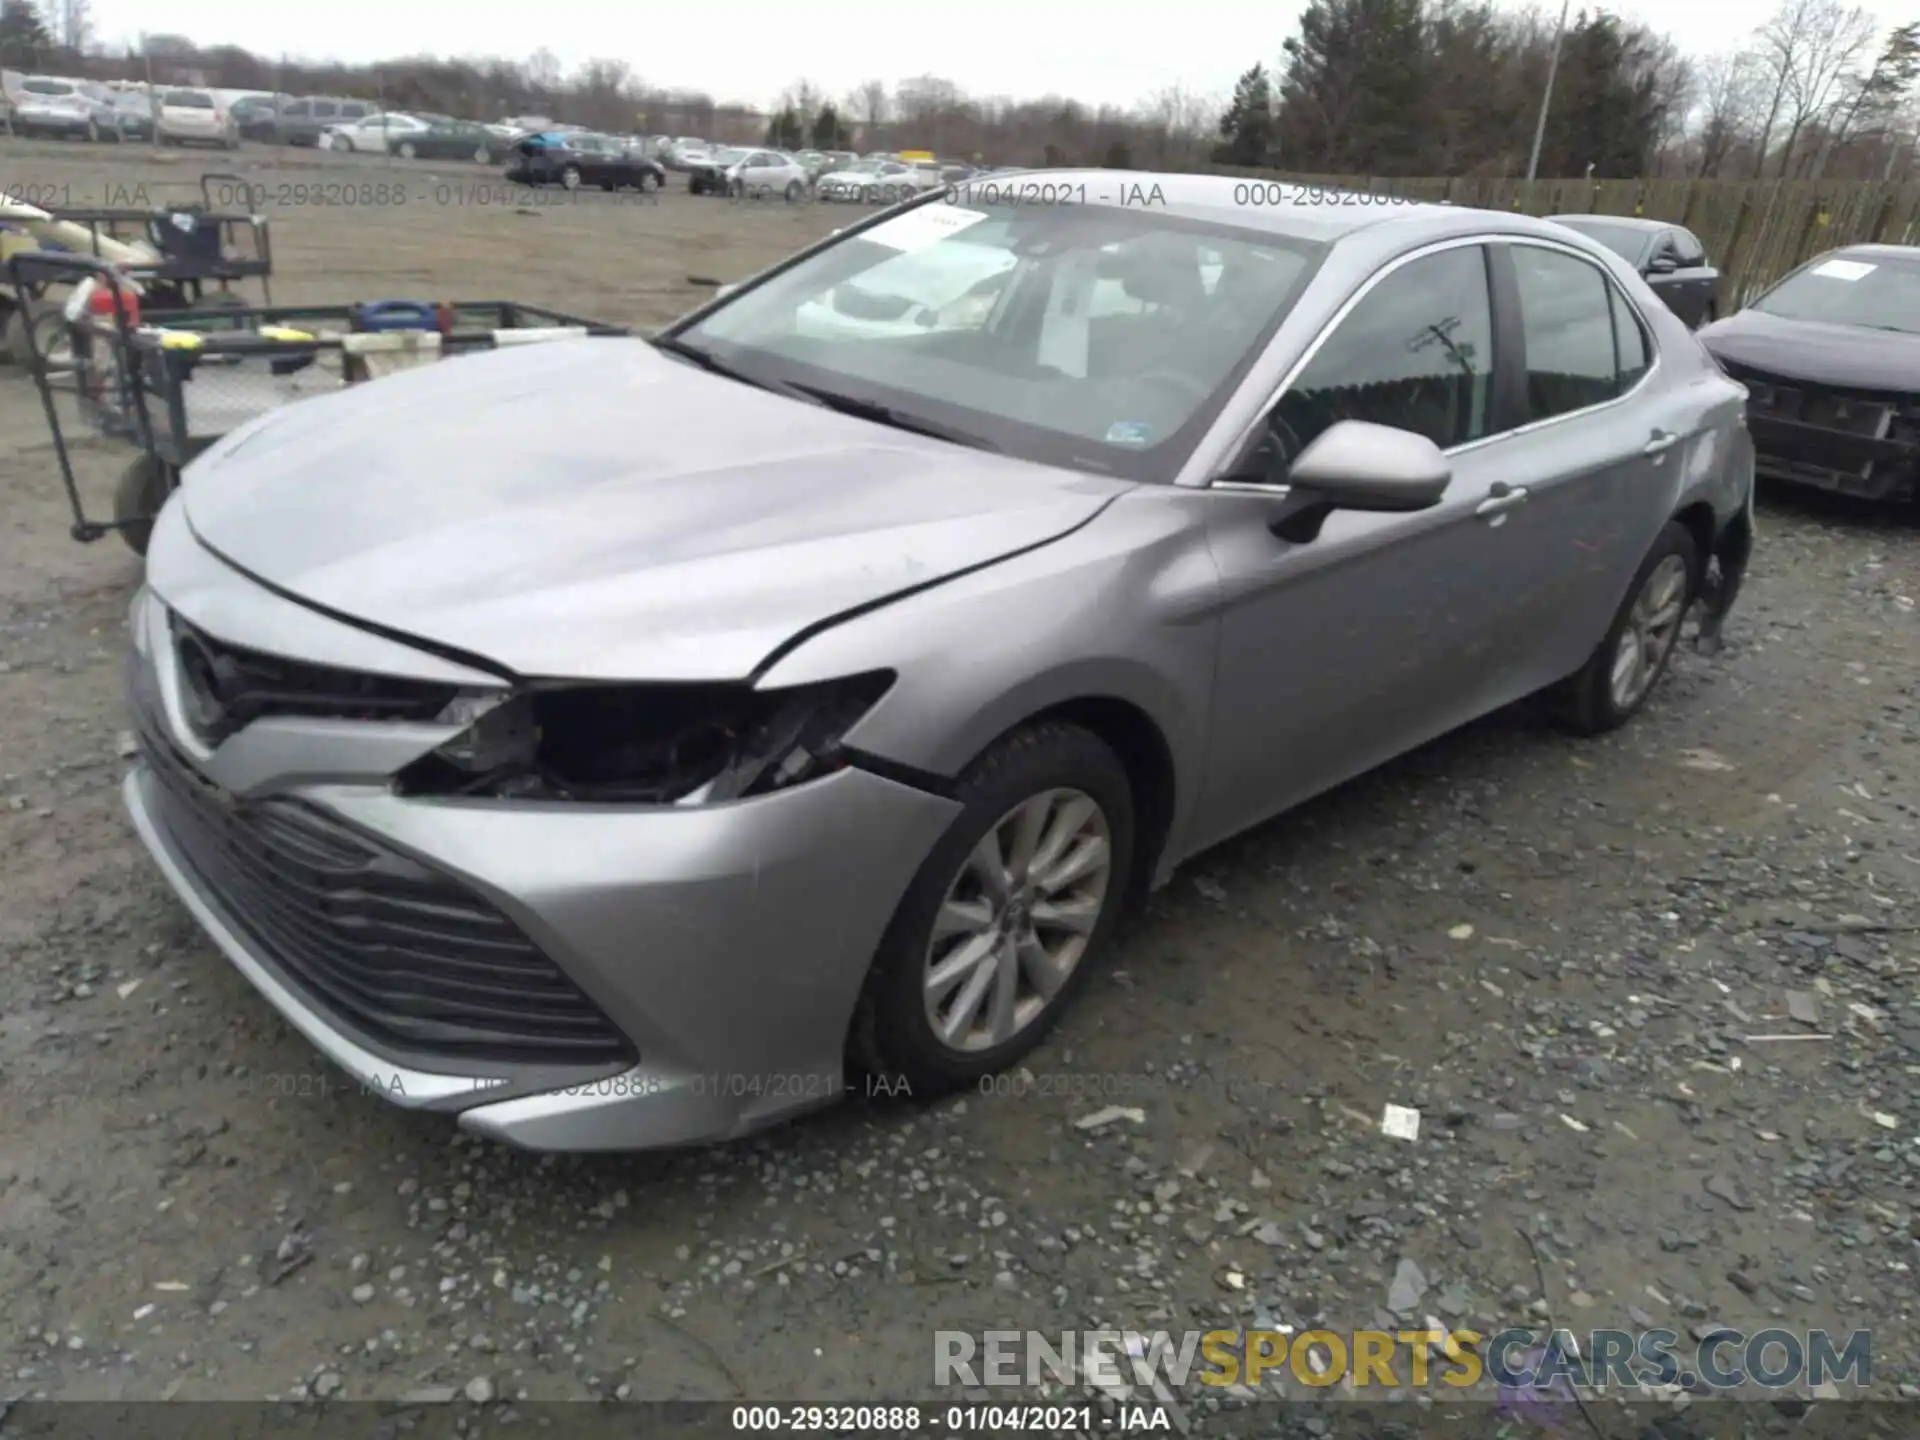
(1802, 404)
(406, 956)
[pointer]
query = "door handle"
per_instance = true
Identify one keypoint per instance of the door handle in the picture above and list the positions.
(1501, 500)
(1662, 441)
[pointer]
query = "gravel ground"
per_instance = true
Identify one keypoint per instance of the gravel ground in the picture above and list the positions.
(1573, 958)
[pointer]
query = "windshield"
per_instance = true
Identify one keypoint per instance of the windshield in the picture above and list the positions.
(1850, 289)
(46, 87)
(187, 100)
(1101, 338)
(727, 157)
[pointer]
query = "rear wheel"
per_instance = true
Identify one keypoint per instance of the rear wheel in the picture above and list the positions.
(570, 177)
(408, 150)
(1614, 684)
(1001, 925)
(649, 182)
(40, 325)
(137, 500)
(483, 156)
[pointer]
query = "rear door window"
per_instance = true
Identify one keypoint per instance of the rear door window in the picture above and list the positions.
(1567, 319)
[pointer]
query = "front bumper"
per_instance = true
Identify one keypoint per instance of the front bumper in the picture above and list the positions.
(728, 944)
(1868, 466)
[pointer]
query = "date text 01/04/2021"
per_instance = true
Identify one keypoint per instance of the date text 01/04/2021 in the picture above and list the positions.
(971, 1418)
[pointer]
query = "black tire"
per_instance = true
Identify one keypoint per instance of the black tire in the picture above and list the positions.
(48, 318)
(570, 177)
(137, 499)
(649, 182)
(891, 1038)
(483, 156)
(1585, 702)
(794, 191)
(407, 150)
(342, 144)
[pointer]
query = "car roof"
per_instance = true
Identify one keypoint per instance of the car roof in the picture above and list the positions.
(1625, 222)
(1880, 252)
(1305, 212)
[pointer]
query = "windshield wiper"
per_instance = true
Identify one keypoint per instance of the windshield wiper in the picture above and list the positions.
(710, 362)
(886, 415)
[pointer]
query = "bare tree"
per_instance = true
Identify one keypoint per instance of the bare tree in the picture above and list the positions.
(73, 26)
(1730, 91)
(868, 104)
(1809, 47)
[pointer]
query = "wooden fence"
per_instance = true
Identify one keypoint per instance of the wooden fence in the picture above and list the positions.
(1755, 231)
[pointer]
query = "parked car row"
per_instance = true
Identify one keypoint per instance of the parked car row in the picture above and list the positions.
(50, 107)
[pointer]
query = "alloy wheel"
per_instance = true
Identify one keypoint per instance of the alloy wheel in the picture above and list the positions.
(1653, 624)
(1016, 920)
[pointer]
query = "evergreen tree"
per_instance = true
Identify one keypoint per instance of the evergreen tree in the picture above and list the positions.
(24, 38)
(1247, 130)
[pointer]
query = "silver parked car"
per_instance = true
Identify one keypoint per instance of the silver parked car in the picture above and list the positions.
(612, 786)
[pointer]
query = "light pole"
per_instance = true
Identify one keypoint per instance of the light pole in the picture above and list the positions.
(1546, 98)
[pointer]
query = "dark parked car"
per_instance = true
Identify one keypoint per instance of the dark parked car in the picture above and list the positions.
(1671, 260)
(299, 122)
(1830, 357)
(253, 116)
(453, 140)
(575, 159)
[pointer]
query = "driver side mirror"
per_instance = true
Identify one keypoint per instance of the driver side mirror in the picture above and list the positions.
(1357, 465)
(1354, 465)
(1662, 265)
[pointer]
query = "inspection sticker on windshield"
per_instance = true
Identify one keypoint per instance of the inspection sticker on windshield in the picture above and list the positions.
(1137, 433)
(922, 226)
(1843, 269)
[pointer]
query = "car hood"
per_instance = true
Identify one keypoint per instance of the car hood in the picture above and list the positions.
(1847, 357)
(594, 509)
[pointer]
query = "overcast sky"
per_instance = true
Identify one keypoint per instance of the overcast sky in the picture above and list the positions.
(1093, 50)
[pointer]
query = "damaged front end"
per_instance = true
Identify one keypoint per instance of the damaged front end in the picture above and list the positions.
(644, 744)
(1850, 442)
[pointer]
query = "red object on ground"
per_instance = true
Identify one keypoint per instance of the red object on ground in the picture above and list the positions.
(101, 307)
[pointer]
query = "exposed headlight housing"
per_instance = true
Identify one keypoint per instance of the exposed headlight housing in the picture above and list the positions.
(643, 744)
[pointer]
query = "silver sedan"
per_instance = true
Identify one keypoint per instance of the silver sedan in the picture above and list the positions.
(799, 699)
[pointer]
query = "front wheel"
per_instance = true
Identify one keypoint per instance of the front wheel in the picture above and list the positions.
(1613, 686)
(649, 182)
(1006, 916)
(342, 144)
(794, 191)
(483, 156)
(570, 178)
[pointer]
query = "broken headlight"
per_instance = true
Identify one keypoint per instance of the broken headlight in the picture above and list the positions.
(643, 744)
